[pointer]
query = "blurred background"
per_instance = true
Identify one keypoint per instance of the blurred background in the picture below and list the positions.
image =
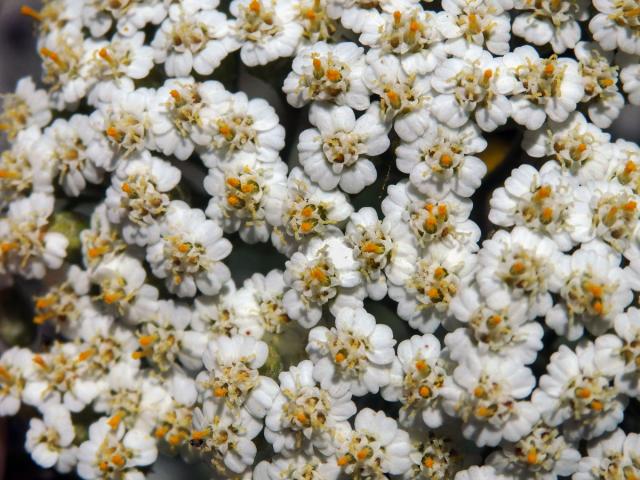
(18, 58)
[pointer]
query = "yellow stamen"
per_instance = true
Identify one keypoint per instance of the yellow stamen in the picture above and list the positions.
(175, 439)
(446, 161)
(479, 392)
(176, 95)
(161, 431)
(126, 188)
(94, 252)
(184, 247)
(334, 75)
(343, 460)
(364, 453)
(424, 391)
(85, 355)
(421, 365)
(306, 226)
(596, 405)
(111, 297)
(200, 434)
(494, 320)
(30, 12)
(254, 6)
(53, 56)
(118, 460)
(38, 360)
(397, 16)
(583, 392)
(487, 74)
(114, 421)
(372, 247)
(340, 357)
(8, 174)
(233, 182)
(220, 392)
(146, 340)
(319, 274)
(532, 456)
(414, 26)
(549, 69)
(302, 417)
(428, 462)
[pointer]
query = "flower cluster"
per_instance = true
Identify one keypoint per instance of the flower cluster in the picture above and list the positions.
(156, 148)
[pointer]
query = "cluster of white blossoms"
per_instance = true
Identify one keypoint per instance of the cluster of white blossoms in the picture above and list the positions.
(147, 154)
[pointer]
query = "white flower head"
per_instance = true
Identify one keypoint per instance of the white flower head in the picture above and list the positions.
(356, 353)
(138, 197)
(594, 289)
(49, 439)
(325, 272)
(242, 191)
(303, 416)
(629, 76)
(499, 331)
(616, 25)
(578, 146)
(266, 29)
(432, 221)
(483, 23)
(113, 452)
(544, 86)
(194, 36)
(375, 447)
(335, 152)
(619, 354)
(128, 16)
(404, 99)
(237, 123)
(16, 366)
(612, 454)
(625, 164)
(424, 293)
(331, 73)
(600, 83)
(101, 240)
(549, 21)
(543, 454)
(410, 33)
(189, 252)
(577, 395)
(488, 393)
(24, 108)
(298, 466)
(380, 248)
(472, 86)
(417, 376)
(519, 266)
(443, 160)
(27, 247)
(305, 212)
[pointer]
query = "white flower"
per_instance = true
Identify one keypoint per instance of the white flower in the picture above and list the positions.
(520, 265)
(607, 211)
(479, 473)
(581, 148)
(114, 452)
(317, 25)
(551, 21)
(266, 29)
(24, 108)
(122, 287)
(619, 354)
(629, 76)
(625, 164)
(543, 454)
(226, 438)
(487, 394)
(432, 221)
(332, 73)
(49, 439)
(356, 353)
(544, 86)
(27, 248)
(442, 160)
(303, 416)
(335, 153)
(613, 454)
(242, 190)
(539, 200)
(298, 466)
(304, 213)
(355, 14)
(63, 52)
(61, 376)
(68, 141)
(16, 366)
(323, 272)
(410, 33)
(178, 124)
(237, 123)
(138, 197)
(262, 301)
(128, 16)
(404, 99)
(424, 294)
(417, 375)
(474, 84)
(615, 25)
(577, 395)
(600, 83)
(484, 23)
(189, 252)
(124, 118)
(375, 447)
(380, 248)
(437, 456)
(101, 240)
(120, 58)
(231, 381)
(194, 36)
(504, 331)
(25, 167)
(594, 290)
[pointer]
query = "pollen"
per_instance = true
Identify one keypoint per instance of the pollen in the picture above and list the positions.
(53, 56)
(254, 6)
(317, 65)
(146, 340)
(334, 75)
(543, 192)
(549, 69)
(176, 95)
(428, 462)
(104, 54)
(38, 360)
(86, 354)
(483, 412)
(439, 273)
(110, 298)
(494, 320)
(397, 16)
(319, 274)
(446, 161)
(372, 247)
(175, 439)
(363, 453)
(200, 434)
(340, 357)
(394, 98)
(306, 226)
(582, 392)
(532, 456)
(233, 182)
(30, 12)
(184, 247)
(630, 206)
(596, 405)
(302, 417)
(547, 215)
(114, 421)
(307, 211)
(114, 133)
(414, 26)
(118, 460)
(343, 460)
(44, 303)
(421, 365)
(517, 268)
(220, 392)
(95, 252)
(126, 188)
(479, 392)
(474, 24)
(161, 431)
(424, 391)
(487, 74)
